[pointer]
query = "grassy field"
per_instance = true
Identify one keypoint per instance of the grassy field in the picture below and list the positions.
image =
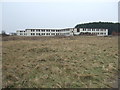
(60, 62)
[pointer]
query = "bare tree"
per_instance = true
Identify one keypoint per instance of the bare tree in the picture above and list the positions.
(3, 32)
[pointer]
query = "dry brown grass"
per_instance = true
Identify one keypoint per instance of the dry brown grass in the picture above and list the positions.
(60, 62)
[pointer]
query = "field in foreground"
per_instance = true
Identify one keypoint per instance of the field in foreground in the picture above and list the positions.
(64, 62)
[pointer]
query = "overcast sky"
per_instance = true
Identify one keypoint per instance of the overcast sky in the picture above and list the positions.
(56, 14)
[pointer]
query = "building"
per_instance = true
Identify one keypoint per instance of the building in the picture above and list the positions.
(12, 34)
(62, 32)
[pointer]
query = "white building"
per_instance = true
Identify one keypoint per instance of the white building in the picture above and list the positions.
(63, 32)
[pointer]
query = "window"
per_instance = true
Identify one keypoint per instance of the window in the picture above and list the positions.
(57, 30)
(52, 33)
(47, 33)
(47, 30)
(84, 29)
(101, 33)
(66, 33)
(43, 34)
(37, 30)
(32, 33)
(89, 29)
(97, 29)
(32, 30)
(93, 29)
(66, 29)
(104, 29)
(37, 33)
(57, 33)
(43, 30)
(78, 30)
(52, 30)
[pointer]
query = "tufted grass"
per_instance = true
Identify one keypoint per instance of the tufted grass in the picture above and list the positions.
(60, 62)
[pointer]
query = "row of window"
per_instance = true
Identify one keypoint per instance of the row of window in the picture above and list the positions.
(99, 33)
(43, 30)
(38, 34)
(23, 33)
(65, 33)
(93, 33)
(94, 29)
(44, 34)
(65, 30)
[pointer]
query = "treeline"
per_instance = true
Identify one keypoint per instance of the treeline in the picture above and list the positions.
(112, 27)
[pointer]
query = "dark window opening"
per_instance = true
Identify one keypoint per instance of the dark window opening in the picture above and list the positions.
(78, 30)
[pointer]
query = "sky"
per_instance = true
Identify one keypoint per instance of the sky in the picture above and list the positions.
(26, 14)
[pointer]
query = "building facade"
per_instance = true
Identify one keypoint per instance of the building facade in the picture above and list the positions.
(62, 32)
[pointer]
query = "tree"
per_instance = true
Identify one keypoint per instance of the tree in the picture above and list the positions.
(112, 27)
(4, 33)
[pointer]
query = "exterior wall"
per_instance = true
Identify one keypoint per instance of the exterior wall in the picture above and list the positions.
(47, 32)
(28, 31)
(64, 32)
(77, 31)
(98, 32)
(71, 31)
(41, 32)
(21, 33)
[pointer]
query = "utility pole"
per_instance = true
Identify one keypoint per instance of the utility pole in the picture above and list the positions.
(119, 11)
